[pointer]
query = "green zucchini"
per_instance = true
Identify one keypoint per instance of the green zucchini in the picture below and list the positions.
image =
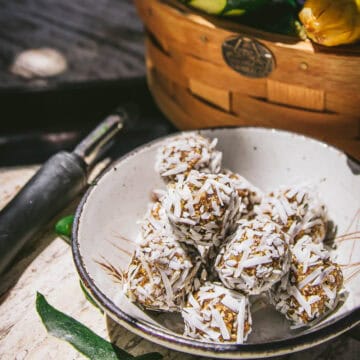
(225, 7)
(234, 12)
(244, 5)
(213, 7)
(277, 16)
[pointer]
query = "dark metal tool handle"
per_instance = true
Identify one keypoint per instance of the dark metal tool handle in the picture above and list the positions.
(58, 181)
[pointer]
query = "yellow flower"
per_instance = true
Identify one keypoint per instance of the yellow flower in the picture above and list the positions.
(332, 22)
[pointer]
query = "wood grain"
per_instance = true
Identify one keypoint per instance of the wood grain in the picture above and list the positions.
(188, 112)
(165, 64)
(218, 97)
(203, 40)
(297, 96)
(101, 40)
(180, 68)
(323, 126)
(311, 90)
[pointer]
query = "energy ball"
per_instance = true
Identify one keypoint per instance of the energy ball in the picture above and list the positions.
(202, 208)
(249, 195)
(160, 275)
(156, 222)
(206, 253)
(297, 210)
(215, 313)
(313, 287)
(187, 152)
(256, 257)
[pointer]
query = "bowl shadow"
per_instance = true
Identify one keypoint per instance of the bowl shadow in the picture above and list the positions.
(343, 347)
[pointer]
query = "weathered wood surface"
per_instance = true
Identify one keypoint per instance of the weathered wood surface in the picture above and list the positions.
(101, 40)
(45, 265)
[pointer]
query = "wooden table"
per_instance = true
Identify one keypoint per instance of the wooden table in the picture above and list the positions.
(100, 39)
(46, 265)
(89, 34)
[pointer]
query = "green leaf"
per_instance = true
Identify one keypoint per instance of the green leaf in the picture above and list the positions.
(79, 336)
(64, 226)
(89, 297)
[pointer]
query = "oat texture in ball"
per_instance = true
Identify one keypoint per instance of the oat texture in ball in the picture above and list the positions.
(249, 195)
(160, 274)
(156, 222)
(297, 210)
(202, 208)
(313, 287)
(256, 257)
(186, 152)
(214, 313)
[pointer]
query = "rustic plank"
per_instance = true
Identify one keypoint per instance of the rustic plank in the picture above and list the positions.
(164, 98)
(182, 101)
(218, 97)
(320, 125)
(297, 96)
(346, 102)
(164, 63)
(101, 40)
(340, 130)
(257, 112)
(222, 77)
(181, 68)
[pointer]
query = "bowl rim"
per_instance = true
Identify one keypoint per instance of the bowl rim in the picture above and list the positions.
(178, 342)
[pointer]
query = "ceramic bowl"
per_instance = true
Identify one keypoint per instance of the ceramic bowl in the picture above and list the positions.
(106, 230)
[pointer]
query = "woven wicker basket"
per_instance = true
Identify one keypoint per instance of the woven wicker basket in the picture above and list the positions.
(311, 89)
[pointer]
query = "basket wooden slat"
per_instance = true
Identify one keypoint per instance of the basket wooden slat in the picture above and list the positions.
(211, 116)
(295, 95)
(312, 90)
(203, 40)
(175, 107)
(336, 124)
(310, 123)
(345, 102)
(215, 96)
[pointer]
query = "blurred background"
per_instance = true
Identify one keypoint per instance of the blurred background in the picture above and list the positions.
(63, 66)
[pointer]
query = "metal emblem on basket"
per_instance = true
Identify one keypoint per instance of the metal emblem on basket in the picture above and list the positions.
(248, 57)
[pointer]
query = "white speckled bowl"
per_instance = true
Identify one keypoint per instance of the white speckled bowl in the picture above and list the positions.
(106, 229)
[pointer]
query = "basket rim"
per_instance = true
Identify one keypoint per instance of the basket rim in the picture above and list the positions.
(176, 8)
